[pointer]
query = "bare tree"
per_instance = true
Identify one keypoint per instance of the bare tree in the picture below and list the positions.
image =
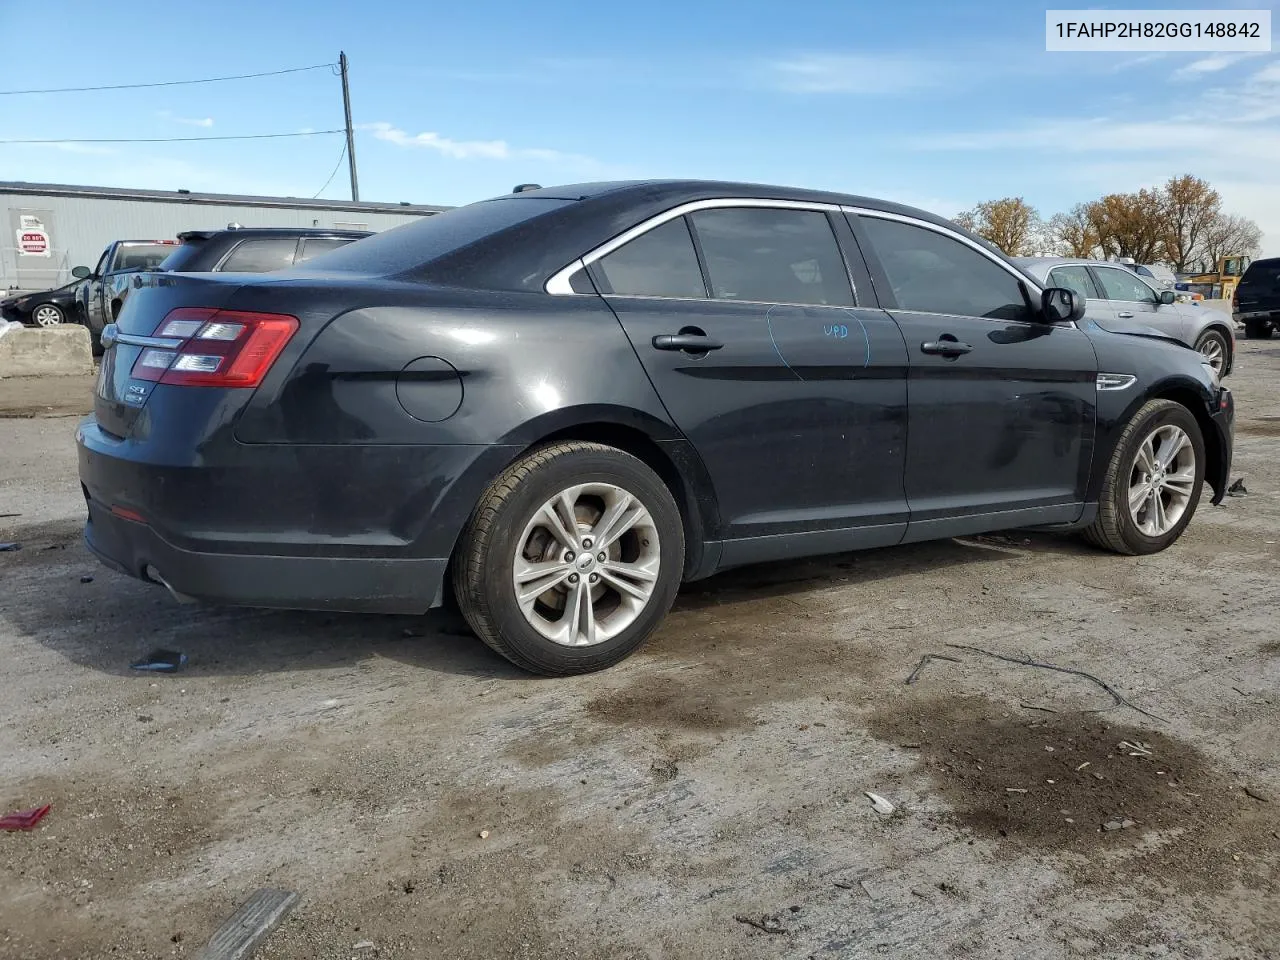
(1191, 208)
(1011, 224)
(1230, 235)
(1072, 234)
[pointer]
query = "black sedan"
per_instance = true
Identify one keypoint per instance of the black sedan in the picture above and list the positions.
(45, 309)
(561, 404)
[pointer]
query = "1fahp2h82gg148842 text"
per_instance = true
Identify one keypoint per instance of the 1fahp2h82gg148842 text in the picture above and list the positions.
(1150, 31)
(1160, 31)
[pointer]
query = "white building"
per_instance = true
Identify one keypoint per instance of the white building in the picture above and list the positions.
(54, 227)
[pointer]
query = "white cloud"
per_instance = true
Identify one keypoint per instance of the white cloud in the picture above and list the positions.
(475, 149)
(186, 121)
(1215, 63)
(858, 74)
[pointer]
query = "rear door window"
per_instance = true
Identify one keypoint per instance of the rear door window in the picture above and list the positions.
(1120, 284)
(1076, 279)
(930, 272)
(314, 246)
(1263, 275)
(261, 256)
(661, 262)
(772, 256)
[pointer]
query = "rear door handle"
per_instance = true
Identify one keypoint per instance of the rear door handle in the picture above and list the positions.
(693, 342)
(1125, 316)
(945, 348)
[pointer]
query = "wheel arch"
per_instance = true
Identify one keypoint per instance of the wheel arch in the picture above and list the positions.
(1215, 472)
(1224, 330)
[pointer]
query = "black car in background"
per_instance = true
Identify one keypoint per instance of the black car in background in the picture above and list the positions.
(1257, 298)
(253, 249)
(561, 404)
(49, 308)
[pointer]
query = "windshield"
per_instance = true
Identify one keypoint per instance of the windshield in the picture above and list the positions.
(413, 244)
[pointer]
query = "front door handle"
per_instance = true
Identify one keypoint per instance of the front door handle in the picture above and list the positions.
(692, 342)
(1125, 316)
(945, 348)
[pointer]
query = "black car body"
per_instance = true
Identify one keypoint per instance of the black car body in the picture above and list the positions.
(254, 249)
(47, 308)
(1257, 298)
(338, 437)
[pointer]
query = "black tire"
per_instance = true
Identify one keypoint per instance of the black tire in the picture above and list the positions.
(482, 567)
(1214, 336)
(1114, 528)
(1257, 329)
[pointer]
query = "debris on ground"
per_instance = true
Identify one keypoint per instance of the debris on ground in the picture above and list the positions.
(24, 819)
(161, 661)
(364, 945)
(1257, 794)
(9, 547)
(1237, 489)
(86, 579)
(248, 927)
(1119, 824)
(484, 834)
(879, 804)
(927, 659)
(766, 924)
(1135, 748)
(871, 890)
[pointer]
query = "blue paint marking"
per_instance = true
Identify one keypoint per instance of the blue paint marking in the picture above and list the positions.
(768, 319)
(866, 339)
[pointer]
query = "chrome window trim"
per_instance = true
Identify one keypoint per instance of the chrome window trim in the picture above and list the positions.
(558, 284)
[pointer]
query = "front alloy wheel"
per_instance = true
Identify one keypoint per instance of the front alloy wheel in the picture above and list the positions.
(46, 315)
(1162, 480)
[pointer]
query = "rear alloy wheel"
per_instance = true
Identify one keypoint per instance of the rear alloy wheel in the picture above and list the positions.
(1213, 347)
(47, 315)
(1257, 329)
(1153, 482)
(572, 559)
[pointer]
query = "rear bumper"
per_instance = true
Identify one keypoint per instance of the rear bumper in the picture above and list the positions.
(357, 584)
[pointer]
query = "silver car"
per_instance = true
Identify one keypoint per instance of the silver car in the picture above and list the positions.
(1114, 292)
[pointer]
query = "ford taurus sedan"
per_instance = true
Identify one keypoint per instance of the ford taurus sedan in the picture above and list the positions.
(559, 405)
(1114, 292)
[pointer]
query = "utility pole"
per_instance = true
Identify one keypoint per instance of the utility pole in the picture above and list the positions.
(351, 139)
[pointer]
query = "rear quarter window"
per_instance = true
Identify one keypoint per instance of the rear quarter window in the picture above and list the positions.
(1263, 274)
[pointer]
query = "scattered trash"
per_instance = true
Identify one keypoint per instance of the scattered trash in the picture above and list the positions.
(24, 819)
(1083, 765)
(9, 547)
(843, 884)
(1028, 662)
(161, 661)
(1111, 825)
(247, 928)
(927, 659)
(871, 890)
(879, 804)
(765, 924)
(1014, 790)
(1136, 749)
(484, 834)
(1257, 795)
(1237, 489)
(86, 579)
(364, 945)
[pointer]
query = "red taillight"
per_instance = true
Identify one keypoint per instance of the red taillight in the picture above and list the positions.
(127, 513)
(219, 348)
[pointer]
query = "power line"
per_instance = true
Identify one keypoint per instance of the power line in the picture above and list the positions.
(245, 136)
(335, 172)
(169, 83)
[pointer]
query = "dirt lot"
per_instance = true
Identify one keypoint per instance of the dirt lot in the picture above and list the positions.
(705, 799)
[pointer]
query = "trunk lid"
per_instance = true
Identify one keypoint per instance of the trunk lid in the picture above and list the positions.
(120, 398)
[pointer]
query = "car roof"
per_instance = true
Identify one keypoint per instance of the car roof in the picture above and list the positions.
(680, 191)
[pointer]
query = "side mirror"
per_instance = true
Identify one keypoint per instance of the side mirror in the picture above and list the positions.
(1060, 305)
(1167, 297)
(80, 273)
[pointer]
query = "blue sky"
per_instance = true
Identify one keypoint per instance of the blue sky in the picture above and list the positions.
(936, 104)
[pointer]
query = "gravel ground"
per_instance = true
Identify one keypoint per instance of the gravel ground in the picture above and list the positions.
(704, 799)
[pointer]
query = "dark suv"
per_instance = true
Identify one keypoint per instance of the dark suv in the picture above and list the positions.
(253, 249)
(1257, 300)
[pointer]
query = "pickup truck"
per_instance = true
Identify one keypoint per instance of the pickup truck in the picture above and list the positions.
(98, 300)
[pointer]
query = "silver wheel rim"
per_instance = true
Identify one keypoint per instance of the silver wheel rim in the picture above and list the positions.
(1211, 349)
(586, 565)
(1162, 480)
(47, 316)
